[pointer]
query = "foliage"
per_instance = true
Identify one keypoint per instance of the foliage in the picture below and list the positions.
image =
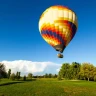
(54, 76)
(59, 76)
(68, 71)
(18, 75)
(46, 75)
(30, 75)
(50, 75)
(87, 71)
(24, 78)
(84, 71)
(3, 73)
(95, 78)
(9, 73)
(12, 76)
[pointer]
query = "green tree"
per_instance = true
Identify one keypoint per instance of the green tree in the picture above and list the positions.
(95, 78)
(68, 71)
(75, 69)
(59, 77)
(87, 71)
(18, 75)
(81, 75)
(12, 76)
(46, 75)
(50, 75)
(3, 73)
(94, 73)
(30, 75)
(54, 76)
(24, 78)
(65, 70)
(9, 73)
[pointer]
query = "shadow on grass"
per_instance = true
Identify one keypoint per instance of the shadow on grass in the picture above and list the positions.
(15, 82)
(9, 83)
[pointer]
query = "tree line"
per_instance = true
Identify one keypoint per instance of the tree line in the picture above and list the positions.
(75, 70)
(46, 76)
(84, 71)
(10, 75)
(17, 75)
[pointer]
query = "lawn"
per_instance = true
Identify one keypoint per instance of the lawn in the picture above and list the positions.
(47, 87)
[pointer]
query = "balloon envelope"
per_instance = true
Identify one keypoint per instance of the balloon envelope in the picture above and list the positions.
(57, 26)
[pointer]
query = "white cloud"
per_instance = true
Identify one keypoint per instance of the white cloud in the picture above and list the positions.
(58, 69)
(37, 68)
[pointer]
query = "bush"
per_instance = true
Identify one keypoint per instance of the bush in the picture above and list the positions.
(59, 77)
(12, 77)
(95, 78)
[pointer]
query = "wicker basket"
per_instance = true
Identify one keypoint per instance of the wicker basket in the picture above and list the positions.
(60, 55)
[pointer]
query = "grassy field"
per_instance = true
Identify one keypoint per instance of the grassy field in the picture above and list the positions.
(47, 87)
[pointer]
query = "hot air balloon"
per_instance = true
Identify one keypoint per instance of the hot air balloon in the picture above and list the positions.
(57, 26)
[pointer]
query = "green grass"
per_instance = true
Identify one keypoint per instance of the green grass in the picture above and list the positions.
(47, 87)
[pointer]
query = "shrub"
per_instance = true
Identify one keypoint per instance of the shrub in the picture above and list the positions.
(59, 77)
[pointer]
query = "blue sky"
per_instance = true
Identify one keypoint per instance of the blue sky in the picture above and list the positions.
(20, 38)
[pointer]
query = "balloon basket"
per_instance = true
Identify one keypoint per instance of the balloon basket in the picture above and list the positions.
(60, 55)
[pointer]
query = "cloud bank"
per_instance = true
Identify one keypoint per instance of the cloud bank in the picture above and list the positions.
(37, 68)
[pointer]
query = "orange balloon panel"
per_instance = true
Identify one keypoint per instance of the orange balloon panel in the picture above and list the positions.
(58, 25)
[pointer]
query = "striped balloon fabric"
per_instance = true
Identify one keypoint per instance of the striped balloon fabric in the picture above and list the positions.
(57, 26)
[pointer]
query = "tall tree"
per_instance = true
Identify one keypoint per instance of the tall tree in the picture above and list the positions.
(68, 71)
(12, 76)
(75, 69)
(64, 71)
(87, 71)
(9, 73)
(24, 78)
(50, 75)
(19, 75)
(3, 72)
